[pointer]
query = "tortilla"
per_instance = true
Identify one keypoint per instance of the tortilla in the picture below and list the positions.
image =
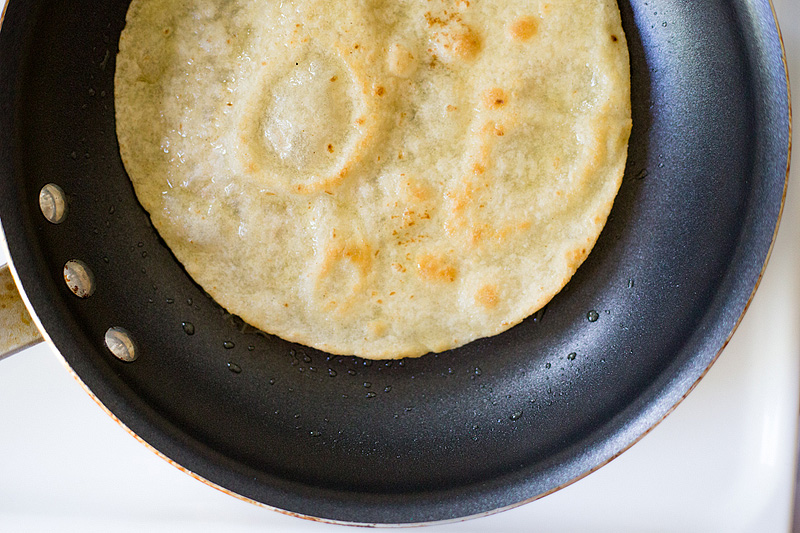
(376, 178)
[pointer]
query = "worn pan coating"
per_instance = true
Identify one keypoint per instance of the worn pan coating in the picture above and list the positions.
(487, 426)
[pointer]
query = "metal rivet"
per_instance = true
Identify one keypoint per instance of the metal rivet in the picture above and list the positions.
(53, 203)
(79, 278)
(119, 342)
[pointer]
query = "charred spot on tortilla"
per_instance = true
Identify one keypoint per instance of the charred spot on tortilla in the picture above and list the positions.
(379, 179)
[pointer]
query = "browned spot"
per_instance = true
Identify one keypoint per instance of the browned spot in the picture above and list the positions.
(495, 98)
(614, 38)
(465, 44)
(487, 296)
(433, 21)
(334, 78)
(377, 327)
(401, 61)
(166, 31)
(397, 267)
(357, 254)
(330, 148)
(251, 166)
(360, 121)
(453, 39)
(435, 268)
(286, 305)
(477, 168)
(379, 91)
(576, 257)
(451, 108)
(415, 190)
(355, 47)
(492, 128)
(524, 28)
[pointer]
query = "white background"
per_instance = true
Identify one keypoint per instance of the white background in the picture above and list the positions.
(724, 461)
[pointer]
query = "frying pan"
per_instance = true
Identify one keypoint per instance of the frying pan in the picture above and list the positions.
(484, 427)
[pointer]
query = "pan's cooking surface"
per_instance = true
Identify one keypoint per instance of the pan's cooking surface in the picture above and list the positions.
(496, 422)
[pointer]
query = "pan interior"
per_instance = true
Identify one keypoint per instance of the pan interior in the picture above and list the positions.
(488, 425)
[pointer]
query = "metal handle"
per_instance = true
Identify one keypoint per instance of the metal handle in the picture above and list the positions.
(17, 329)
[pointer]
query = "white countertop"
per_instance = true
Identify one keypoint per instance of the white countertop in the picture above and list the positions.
(723, 461)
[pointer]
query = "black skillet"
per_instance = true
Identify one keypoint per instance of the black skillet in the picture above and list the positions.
(487, 426)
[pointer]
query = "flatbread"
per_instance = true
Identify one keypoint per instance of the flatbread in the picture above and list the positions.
(377, 178)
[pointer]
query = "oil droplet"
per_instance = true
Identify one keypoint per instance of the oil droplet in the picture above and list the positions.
(251, 348)
(118, 341)
(351, 372)
(371, 395)
(106, 260)
(592, 316)
(188, 328)
(271, 382)
(170, 300)
(53, 203)
(79, 278)
(387, 388)
(630, 283)
(314, 433)
(233, 367)
(515, 415)
(547, 365)
(111, 210)
(189, 301)
(477, 371)
(572, 356)
(228, 345)
(332, 372)
(367, 384)
(306, 358)
(367, 362)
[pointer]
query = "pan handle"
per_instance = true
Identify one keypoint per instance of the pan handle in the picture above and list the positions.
(17, 329)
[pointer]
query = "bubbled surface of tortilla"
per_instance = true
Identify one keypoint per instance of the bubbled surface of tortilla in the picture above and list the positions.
(378, 178)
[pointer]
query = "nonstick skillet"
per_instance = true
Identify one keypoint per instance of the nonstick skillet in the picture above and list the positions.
(495, 423)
